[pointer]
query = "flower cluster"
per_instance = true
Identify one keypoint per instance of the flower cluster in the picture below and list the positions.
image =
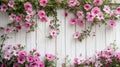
(16, 56)
(107, 58)
(23, 12)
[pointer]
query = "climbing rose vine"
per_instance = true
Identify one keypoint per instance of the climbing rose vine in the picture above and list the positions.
(23, 12)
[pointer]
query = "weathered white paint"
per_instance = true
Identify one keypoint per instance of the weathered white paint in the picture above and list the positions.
(64, 44)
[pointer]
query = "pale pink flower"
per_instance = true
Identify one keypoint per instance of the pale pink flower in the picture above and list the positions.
(98, 64)
(117, 11)
(112, 23)
(41, 13)
(76, 60)
(27, 5)
(37, 54)
(100, 16)
(7, 55)
(16, 65)
(73, 3)
(87, 7)
(49, 57)
(27, 25)
(23, 53)
(4, 8)
(53, 32)
(30, 58)
(43, 2)
(15, 52)
(90, 17)
(8, 30)
(9, 47)
(76, 35)
(80, 22)
(28, 18)
(21, 59)
(18, 19)
(73, 21)
(95, 11)
(29, 11)
(11, 3)
(80, 14)
(44, 19)
(106, 9)
(98, 2)
(12, 17)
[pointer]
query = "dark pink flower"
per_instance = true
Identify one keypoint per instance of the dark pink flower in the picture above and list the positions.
(8, 30)
(16, 65)
(44, 19)
(23, 53)
(87, 7)
(112, 23)
(18, 19)
(3, 65)
(80, 14)
(30, 58)
(73, 3)
(27, 5)
(90, 17)
(41, 13)
(95, 11)
(41, 64)
(21, 59)
(117, 11)
(43, 2)
(18, 27)
(27, 25)
(4, 8)
(98, 2)
(73, 21)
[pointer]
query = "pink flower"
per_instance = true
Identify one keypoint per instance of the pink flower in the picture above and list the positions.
(76, 60)
(100, 16)
(27, 25)
(73, 21)
(21, 59)
(29, 11)
(90, 17)
(43, 3)
(18, 27)
(30, 58)
(41, 13)
(8, 30)
(7, 55)
(36, 60)
(117, 11)
(80, 22)
(9, 47)
(27, 5)
(53, 32)
(95, 11)
(106, 9)
(23, 53)
(3, 65)
(28, 18)
(12, 17)
(4, 8)
(76, 35)
(41, 64)
(98, 2)
(66, 14)
(87, 7)
(44, 19)
(11, 3)
(112, 23)
(49, 57)
(16, 65)
(73, 3)
(18, 19)
(80, 14)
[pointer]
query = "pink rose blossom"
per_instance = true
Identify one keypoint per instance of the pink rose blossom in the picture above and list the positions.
(95, 11)
(4, 8)
(73, 21)
(117, 11)
(80, 22)
(41, 13)
(27, 25)
(87, 7)
(28, 18)
(49, 57)
(27, 5)
(12, 17)
(73, 3)
(16, 65)
(112, 23)
(90, 17)
(18, 19)
(43, 2)
(98, 2)
(7, 55)
(21, 59)
(8, 30)
(53, 32)
(80, 14)
(11, 3)
(76, 35)
(106, 9)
